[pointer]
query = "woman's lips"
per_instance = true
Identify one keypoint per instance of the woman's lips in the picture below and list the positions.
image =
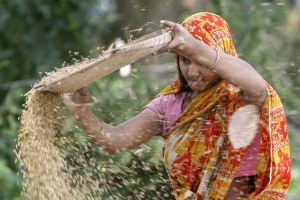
(196, 80)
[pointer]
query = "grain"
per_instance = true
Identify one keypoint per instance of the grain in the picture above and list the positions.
(42, 164)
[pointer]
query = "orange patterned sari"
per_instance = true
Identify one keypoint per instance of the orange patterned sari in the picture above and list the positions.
(199, 158)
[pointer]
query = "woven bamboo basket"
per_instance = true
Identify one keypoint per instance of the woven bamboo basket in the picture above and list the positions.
(74, 77)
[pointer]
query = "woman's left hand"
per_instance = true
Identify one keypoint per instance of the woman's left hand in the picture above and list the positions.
(183, 43)
(77, 101)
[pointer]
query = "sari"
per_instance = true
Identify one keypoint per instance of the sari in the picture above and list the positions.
(199, 158)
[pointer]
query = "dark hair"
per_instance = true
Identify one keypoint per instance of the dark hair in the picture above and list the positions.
(184, 86)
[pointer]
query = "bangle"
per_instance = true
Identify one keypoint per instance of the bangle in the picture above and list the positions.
(217, 59)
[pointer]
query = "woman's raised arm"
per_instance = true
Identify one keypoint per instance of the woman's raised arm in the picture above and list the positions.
(233, 69)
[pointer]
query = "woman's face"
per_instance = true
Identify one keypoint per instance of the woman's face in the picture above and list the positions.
(197, 77)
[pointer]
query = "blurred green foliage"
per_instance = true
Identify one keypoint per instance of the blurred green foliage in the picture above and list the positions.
(37, 36)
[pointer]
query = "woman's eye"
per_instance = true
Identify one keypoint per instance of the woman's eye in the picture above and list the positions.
(184, 60)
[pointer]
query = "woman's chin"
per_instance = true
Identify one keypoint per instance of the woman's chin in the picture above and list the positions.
(196, 86)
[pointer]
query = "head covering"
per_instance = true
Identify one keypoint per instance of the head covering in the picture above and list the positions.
(211, 29)
(197, 149)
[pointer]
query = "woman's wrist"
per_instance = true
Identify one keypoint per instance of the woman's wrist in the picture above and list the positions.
(213, 66)
(203, 54)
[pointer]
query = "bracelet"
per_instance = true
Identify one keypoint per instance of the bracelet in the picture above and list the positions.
(217, 60)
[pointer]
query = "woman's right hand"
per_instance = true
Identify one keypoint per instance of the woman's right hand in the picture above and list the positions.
(77, 101)
(183, 43)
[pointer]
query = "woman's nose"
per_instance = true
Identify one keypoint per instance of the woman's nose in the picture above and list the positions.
(193, 70)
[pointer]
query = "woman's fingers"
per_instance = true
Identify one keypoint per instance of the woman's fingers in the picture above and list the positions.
(168, 24)
(67, 99)
(183, 42)
(173, 27)
(83, 91)
(179, 37)
(169, 48)
(78, 97)
(179, 43)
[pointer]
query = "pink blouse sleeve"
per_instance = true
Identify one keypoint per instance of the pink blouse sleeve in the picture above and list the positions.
(168, 109)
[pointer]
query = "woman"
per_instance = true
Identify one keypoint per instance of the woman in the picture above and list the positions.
(192, 114)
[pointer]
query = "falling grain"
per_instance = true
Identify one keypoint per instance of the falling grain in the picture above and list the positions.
(43, 164)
